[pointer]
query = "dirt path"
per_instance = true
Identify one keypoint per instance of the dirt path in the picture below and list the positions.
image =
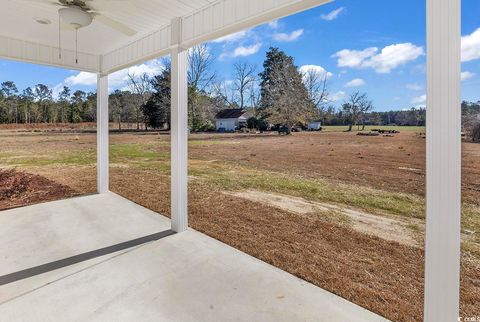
(386, 228)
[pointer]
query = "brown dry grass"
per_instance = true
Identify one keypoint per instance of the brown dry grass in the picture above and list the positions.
(382, 276)
(388, 163)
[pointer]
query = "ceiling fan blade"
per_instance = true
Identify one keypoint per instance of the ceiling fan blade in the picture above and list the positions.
(50, 2)
(118, 26)
(111, 5)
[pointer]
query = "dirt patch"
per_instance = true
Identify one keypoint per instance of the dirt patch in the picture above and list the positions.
(20, 189)
(382, 227)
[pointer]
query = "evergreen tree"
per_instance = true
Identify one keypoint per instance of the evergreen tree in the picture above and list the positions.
(284, 97)
(9, 92)
(157, 108)
(63, 103)
(116, 107)
(43, 97)
(26, 100)
(77, 107)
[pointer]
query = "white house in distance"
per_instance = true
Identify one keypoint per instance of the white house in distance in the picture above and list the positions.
(230, 120)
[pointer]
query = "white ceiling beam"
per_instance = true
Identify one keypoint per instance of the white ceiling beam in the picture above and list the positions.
(26, 51)
(229, 16)
(154, 45)
(216, 20)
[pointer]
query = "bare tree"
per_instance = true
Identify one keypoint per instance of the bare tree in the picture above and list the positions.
(243, 78)
(255, 96)
(355, 107)
(141, 86)
(316, 84)
(200, 77)
(200, 62)
(475, 133)
(223, 92)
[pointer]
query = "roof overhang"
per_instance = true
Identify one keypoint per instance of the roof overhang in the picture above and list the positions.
(211, 21)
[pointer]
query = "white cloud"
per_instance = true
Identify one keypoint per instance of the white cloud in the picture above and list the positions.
(322, 72)
(332, 15)
(120, 78)
(243, 51)
(116, 80)
(396, 98)
(284, 37)
(414, 87)
(337, 96)
(382, 62)
(246, 51)
(232, 37)
(82, 78)
(467, 75)
(353, 58)
(357, 82)
(471, 46)
(420, 100)
(274, 24)
(57, 89)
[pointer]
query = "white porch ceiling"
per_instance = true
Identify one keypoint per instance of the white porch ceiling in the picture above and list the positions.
(17, 20)
(104, 50)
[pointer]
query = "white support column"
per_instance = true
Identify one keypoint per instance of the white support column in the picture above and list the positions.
(102, 134)
(443, 190)
(179, 133)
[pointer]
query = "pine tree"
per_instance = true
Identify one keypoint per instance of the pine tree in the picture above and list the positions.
(157, 108)
(63, 102)
(284, 97)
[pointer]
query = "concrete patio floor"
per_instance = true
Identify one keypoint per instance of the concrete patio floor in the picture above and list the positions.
(58, 264)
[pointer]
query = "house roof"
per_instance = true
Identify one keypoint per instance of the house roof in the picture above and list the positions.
(232, 113)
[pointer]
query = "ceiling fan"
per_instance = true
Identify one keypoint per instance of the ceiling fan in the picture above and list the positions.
(77, 14)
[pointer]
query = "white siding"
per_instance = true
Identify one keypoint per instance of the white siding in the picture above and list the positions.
(227, 124)
(31, 52)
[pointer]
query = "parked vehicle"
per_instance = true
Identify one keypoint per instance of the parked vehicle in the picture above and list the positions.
(285, 130)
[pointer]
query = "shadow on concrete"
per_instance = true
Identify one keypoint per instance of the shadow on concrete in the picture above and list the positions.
(37, 270)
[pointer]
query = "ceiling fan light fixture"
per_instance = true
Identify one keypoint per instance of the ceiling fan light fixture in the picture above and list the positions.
(75, 17)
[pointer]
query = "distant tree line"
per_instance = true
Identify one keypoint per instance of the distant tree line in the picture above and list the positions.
(471, 120)
(37, 105)
(410, 117)
(279, 94)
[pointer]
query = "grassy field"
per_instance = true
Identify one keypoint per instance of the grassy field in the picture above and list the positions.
(342, 211)
(344, 128)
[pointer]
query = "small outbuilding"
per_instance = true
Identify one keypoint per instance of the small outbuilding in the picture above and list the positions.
(230, 120)
(315, 126)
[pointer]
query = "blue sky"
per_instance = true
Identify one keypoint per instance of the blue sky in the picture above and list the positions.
(374, 46)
